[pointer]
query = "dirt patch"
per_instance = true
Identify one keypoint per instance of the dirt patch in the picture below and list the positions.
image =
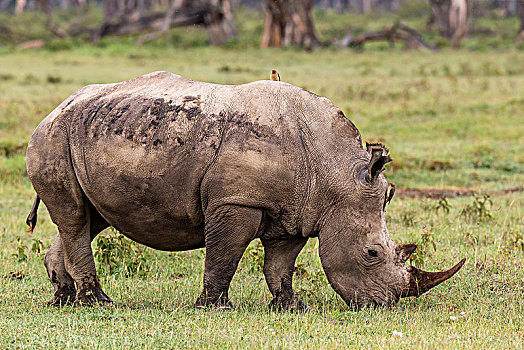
(436, 193)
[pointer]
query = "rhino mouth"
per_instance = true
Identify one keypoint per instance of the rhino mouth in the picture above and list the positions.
(418, 283)
(367, 303)
(375, 299)
(378, 303)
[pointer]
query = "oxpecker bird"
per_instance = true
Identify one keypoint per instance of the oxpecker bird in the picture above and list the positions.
(390, 195)
(274, 75)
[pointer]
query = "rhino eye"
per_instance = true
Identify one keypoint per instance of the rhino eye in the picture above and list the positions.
(372, 252)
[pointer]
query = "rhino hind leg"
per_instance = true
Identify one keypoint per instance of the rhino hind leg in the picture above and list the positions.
(63, 283)
(76, 239)
(279, 265)
(228, 231)
(70, 257)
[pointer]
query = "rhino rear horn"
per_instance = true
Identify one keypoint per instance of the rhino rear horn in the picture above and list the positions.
(405, 250)
(379, 157)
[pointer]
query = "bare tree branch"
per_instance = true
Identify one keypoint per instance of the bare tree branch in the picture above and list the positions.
(398, 32)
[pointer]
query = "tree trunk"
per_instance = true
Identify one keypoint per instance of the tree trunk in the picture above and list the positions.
(365, 6)
(220, 22)
(511, 7)
(174, 7)
(451, 17)
(4, 4)
(520, 14)
(19, 7)
(118, 13)
(289, 22)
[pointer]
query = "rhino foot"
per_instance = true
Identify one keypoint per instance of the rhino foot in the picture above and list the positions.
(288, 303)
(219, 304)
(91, 298)
(63, 296)
(91, 293)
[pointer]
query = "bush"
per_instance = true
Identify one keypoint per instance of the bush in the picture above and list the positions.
(117, 255)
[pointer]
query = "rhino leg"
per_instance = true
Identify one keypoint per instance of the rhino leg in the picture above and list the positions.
(63, 283)
(77, 223)
(279, 265)
(228, 231)
(79, 262)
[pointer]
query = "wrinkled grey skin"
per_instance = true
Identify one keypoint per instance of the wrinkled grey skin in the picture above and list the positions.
(177, 164)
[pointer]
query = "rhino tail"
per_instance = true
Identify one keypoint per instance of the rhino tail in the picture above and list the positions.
(33, 215)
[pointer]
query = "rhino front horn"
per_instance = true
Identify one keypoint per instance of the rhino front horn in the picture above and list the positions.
(422, 281)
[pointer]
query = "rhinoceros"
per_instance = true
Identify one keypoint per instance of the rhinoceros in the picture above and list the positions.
(178, 164)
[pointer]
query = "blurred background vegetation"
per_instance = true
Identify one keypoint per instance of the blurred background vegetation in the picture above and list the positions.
(416, 24)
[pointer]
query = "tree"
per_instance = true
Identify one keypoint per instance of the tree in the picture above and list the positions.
(289, 22)
(365, 6)
(520, 14)
(451, 17)
(221, 23)
(19, 7)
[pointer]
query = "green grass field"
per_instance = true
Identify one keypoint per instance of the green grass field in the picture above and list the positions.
(451, 119)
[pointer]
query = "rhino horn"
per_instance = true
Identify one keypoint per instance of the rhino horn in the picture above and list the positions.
(405, 250)
(422, 281)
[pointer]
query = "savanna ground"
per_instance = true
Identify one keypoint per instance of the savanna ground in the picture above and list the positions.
(452, 119)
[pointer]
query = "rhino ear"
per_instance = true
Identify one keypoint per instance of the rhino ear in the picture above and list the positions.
(379, 157)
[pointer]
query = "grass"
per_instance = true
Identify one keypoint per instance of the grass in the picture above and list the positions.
(451, 119)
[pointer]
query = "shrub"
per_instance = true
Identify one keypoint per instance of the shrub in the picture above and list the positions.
(117, 255)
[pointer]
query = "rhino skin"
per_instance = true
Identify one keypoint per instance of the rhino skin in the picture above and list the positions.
(178, 164)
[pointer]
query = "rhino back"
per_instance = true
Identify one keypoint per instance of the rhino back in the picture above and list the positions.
(153, 152)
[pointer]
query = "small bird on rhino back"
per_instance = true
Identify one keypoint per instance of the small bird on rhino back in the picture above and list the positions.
(274, 75)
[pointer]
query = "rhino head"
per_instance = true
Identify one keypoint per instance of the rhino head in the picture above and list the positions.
(361, 261)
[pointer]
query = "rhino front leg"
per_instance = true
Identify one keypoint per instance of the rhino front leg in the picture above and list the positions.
(279, 265)
(228, 231)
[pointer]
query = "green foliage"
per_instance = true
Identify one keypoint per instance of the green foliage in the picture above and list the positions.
(54, 79)
(254, 257)
(116, 255)
(9, 148)
(12, 169)
(425, 245)
(408, 218)
(58, 45)
(314, 276)
(479, 210)
(20, 254)
(517, 240)
(442, 204)
(414, 8)
(482, 156)
(37, 246)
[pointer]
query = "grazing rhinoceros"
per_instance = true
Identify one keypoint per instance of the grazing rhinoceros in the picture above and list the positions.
(177, 164)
